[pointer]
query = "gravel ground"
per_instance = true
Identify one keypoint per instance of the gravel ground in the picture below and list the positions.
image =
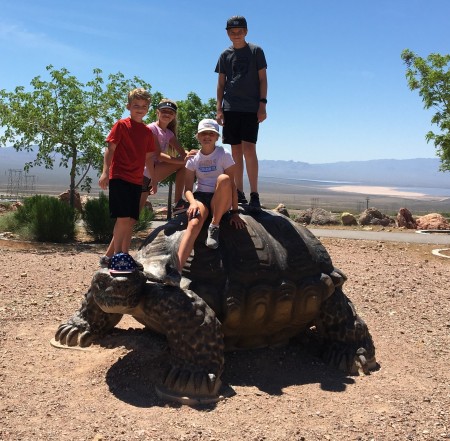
(106, 393)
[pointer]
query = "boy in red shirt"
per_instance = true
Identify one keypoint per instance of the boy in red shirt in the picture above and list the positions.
(130, 148)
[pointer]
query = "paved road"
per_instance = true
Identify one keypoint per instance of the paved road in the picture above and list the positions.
(413, 237)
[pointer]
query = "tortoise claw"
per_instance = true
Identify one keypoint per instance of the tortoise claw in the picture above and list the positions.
(70, 335)
(183, 386)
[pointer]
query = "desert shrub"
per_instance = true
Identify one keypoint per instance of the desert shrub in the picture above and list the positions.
(8, 222)
(97, 221)
(42, 218)
(24, 213)
(145, 219)
(99, 224)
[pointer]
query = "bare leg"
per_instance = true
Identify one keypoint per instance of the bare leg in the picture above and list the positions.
(162, 171)
(179, 183)
(251, 164)
(193, 230)
(222, 199)
(123, 230)
(144, 196)
(165, 169)
(110, 250)
(237, 152)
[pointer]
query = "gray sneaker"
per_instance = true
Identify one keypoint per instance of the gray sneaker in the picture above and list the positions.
(213, 237)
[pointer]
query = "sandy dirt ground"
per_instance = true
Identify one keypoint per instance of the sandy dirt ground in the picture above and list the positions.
(107, 392)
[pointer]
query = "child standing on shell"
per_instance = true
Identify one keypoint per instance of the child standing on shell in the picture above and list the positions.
(241, 103)
(130, 148)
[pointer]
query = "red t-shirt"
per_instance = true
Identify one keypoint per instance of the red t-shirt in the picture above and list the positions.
(133, 140)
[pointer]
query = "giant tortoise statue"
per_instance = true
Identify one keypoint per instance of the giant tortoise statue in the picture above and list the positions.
(265, 284)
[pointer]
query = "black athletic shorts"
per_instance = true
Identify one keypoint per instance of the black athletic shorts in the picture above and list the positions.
(124, 199)
(240, 126)
(205, 198)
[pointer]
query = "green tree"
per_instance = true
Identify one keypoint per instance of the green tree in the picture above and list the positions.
(431, 77)
(190, 112)
(65, 119)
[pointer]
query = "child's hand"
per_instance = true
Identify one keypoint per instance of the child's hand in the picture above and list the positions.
(193, 211)
(220, 117)
(153, 188)
(190, 153)
(103, 181)
(237, 221)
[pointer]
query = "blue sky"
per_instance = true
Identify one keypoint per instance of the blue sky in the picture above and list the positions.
(337, 87)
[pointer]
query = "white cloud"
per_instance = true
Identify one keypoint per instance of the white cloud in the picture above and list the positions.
(15, 36)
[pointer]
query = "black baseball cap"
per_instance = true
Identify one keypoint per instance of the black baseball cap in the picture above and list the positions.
(237, 21)
(167, 105)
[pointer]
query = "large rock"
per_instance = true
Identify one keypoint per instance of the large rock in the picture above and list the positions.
(317, 216)
(372, 216)
(432, 221)
(405, 219)
(281, 208)
(65, 197)
(348, 219)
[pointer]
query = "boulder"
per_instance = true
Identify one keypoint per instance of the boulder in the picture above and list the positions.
(432, 221)
(281, 208)
(405, 219)
(304, 216)
(323, 217)
(65, 197)
(372, 216)
(348, 219)
(4, 207)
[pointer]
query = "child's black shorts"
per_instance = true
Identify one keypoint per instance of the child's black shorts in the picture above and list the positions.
(240, 126)
(124, 199)
(205, 198)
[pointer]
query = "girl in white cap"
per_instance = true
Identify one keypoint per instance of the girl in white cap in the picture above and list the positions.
(215, 194)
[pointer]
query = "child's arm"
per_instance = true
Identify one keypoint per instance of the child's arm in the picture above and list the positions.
(107, 158)
(177, 146)
(189, 179)
(157, 153)
(220, 91)
(164, 157)
(150, 164)
(262, 113)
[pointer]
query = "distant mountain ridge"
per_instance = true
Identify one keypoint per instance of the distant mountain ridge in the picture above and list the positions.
(420, 172)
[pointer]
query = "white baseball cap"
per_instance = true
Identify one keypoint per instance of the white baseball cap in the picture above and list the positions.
(208, 125)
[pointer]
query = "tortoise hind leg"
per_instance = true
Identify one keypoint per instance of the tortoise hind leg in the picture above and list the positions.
(345, 340)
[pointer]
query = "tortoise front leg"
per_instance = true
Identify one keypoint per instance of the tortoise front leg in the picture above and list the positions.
(195, 339)
(345, 339)
(86, 324)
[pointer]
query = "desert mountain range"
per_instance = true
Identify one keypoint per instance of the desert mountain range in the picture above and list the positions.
(419, 172)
